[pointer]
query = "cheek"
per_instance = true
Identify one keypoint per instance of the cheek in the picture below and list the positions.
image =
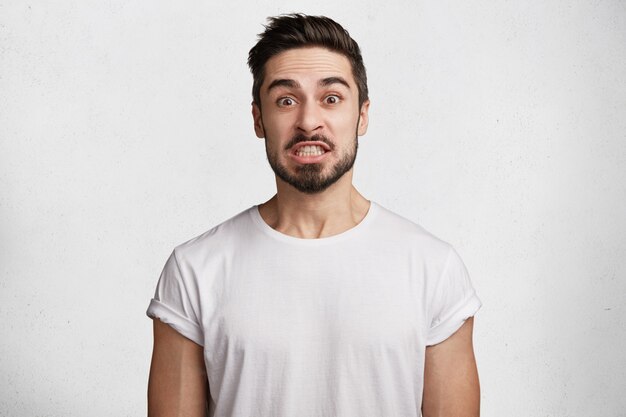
(276, 134)
(277, 124)
(344, 122)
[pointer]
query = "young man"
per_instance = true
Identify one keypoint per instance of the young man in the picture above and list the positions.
(317, 302)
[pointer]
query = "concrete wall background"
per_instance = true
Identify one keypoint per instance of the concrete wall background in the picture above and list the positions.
(125, 130)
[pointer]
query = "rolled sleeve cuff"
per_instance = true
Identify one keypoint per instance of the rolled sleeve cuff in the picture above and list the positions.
(446, 327)
(180, 323)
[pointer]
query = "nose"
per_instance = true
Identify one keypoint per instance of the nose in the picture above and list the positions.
(310, 118)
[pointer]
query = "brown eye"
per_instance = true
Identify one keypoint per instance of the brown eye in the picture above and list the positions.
(285, 101)
(332, 99)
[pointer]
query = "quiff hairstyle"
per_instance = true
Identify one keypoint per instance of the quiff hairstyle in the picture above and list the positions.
(298, 30)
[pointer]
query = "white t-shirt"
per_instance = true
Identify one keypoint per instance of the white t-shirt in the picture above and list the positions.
(335, 326)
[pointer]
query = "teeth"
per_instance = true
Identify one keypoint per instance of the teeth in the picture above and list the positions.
(310, 150)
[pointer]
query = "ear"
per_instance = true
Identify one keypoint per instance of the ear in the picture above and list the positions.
(258, 121)
(363, 118)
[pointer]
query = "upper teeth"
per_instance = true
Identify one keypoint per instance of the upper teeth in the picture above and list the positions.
(310, 150)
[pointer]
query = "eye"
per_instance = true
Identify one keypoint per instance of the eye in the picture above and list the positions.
(332, 99)
(285, 102)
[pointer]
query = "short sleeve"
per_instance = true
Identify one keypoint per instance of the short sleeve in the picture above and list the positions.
(454, 301)
(172, 302)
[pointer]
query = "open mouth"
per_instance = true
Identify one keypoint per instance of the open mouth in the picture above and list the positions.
(310, 149)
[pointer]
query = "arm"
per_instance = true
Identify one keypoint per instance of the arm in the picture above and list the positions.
(178, 383)
(451, 387)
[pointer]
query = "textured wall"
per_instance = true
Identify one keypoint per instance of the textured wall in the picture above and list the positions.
(498, 125)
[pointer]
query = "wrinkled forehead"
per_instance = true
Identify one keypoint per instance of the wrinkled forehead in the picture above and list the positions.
(307, 65)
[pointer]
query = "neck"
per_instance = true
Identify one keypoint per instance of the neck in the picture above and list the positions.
(311, 216)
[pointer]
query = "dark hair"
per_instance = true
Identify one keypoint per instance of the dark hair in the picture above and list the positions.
(298, 30)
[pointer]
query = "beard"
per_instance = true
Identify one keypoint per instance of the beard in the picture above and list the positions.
(308, 178)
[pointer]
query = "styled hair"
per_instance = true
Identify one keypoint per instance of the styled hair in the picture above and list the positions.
(298, 30)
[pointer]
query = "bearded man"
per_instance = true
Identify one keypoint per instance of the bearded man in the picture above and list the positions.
(317, 302)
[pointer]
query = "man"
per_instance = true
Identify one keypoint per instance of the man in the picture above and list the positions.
(317, 302)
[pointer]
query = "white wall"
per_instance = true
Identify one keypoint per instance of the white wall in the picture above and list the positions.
(500, 126)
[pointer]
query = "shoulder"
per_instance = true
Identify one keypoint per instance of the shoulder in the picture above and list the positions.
(394, 227)
(220, 237)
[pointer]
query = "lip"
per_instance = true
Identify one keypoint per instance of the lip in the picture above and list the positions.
(310, 143)
(313, 159)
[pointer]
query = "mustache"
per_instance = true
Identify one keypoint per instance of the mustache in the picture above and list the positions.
(315, 138)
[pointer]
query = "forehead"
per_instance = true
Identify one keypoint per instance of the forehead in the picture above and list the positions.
(310, 62)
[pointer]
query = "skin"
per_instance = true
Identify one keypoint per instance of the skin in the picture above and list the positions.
(178, 381)
(306, 106)
(451, 385)
(310, 111)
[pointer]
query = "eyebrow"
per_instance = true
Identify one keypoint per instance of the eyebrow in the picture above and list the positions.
(333, 80)
(285, 82)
